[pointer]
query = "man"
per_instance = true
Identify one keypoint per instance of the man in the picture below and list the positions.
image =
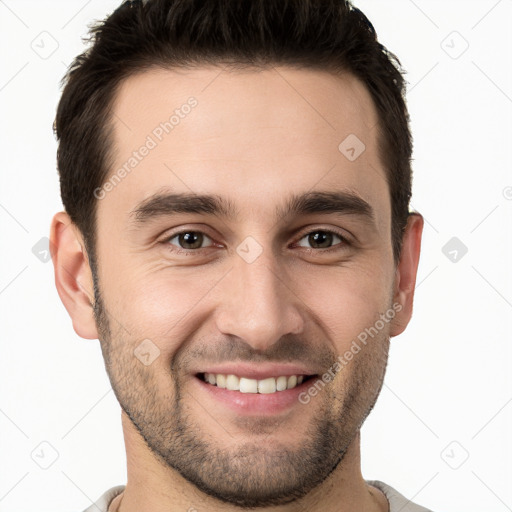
(236, 179)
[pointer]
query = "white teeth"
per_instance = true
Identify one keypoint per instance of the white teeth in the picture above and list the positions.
(292, 381)
(267, 385)
(221, 381)
(246, 385)
(232, 382)
(281, 383)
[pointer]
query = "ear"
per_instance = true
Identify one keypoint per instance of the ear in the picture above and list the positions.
(73, 277)
(405, 278)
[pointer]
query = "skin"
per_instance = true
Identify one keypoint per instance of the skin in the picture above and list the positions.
(254, 137)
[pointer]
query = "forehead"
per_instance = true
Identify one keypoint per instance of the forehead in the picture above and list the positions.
(252, 134)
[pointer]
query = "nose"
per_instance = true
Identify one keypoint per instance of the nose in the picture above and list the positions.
(258, 304)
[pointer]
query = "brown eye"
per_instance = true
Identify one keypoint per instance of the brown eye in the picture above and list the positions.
(321, 239)
(189, 240)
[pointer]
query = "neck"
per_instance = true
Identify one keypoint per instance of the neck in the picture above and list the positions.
(153, 487)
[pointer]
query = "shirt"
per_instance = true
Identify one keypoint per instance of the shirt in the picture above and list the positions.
(397, 502)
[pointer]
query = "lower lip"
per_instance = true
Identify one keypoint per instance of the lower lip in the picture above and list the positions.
(254, 403)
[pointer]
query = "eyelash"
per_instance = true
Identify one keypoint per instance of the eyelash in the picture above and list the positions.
(336, 247)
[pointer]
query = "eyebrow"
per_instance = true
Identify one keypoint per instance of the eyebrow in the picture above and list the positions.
(166, 204)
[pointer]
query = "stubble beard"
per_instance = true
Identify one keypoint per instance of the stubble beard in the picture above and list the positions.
(248, 474)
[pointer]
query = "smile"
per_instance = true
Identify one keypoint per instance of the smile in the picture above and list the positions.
(246, 385)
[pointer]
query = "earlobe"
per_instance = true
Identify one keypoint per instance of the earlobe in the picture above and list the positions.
(73, 277)
(405, 280)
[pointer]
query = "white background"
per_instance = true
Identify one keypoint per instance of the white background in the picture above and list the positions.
(447, 394)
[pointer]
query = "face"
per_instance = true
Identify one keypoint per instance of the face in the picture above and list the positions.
(243, 241)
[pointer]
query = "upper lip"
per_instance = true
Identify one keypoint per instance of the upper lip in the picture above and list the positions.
(257, 371)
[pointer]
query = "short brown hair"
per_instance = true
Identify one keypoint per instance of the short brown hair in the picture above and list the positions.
(320, 34)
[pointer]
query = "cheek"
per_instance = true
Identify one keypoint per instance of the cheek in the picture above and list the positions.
(159, 303)
(164, 304)
(347, 301)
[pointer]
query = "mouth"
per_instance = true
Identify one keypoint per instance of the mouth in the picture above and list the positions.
(244, 396)
(267, 386)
